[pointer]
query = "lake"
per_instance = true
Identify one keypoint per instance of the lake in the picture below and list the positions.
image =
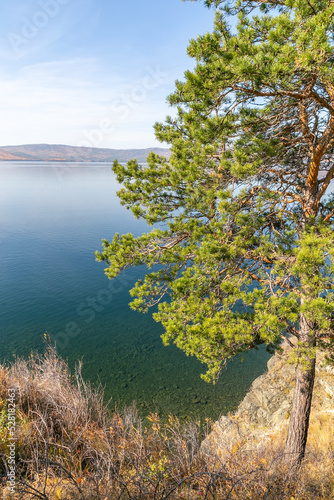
(52, 219)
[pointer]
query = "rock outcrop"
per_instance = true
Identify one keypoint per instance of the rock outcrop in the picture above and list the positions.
(266, 407)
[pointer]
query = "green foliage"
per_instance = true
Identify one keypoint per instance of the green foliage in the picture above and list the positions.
(243, 232)
(3, 421)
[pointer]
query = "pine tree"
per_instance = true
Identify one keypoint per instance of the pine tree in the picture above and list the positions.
(242, 218)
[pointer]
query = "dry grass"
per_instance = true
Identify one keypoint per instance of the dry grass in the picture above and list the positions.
(70, 446)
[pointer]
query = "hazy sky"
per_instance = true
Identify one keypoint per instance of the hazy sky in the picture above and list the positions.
(92, 72)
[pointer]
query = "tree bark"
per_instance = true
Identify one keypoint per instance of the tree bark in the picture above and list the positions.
(302, 398)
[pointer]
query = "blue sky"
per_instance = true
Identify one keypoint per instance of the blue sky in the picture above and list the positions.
(92, 72)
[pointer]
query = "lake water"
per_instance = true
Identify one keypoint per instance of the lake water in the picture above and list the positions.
(52, 219)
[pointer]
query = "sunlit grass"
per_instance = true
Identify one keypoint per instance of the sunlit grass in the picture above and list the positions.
(71, 446)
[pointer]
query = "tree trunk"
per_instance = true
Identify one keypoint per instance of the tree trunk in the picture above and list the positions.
(302, 398)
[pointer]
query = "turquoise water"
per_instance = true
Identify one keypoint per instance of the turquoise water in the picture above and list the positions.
(52, 219)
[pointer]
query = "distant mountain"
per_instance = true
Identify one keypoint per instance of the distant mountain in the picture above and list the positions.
(58, 152)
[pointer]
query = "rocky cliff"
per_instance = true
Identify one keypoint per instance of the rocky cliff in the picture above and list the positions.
(265, 410)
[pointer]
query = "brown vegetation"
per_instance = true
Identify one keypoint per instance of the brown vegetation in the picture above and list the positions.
(70, 446)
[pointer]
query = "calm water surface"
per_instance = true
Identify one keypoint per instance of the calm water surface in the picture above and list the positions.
(52, 219)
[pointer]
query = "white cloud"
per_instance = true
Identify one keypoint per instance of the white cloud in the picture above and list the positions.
(67, 101)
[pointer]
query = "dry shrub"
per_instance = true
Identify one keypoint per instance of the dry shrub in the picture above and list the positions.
(70, 446)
